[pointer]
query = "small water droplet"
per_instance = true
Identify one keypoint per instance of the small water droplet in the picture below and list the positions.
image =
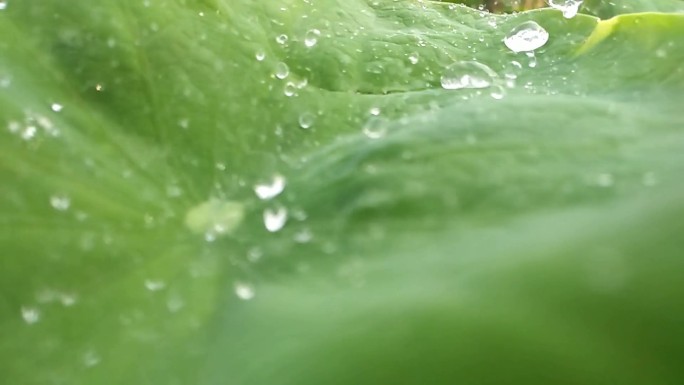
(311, 38)
(3, 5)
(244, 291)
(91, 358)
(290, 89)
(568, 7)
(271, 189)
(413, 58)
(306, 120)
(532, 59)
(154, 284)
(528, 36)
(375, 111)
(60, 202)
(498, 92)
(604, 180)
(274, 219)
(260, 55)
(281, 39)
(375, 128)
(99, 87)
(512, 70)
(467, 74)
(282, 70)
(30, 314)
(56, 107)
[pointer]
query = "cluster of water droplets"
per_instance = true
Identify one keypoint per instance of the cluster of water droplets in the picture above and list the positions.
(34, 124)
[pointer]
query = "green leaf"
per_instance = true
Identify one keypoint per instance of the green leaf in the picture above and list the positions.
(524, 232)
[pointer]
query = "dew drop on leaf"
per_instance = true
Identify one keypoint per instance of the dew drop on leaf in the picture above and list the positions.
(271, 189)
(375, 128)
(30, 314)
(568, 7)
(467, 74)
(244, 291)
(290, 89)
(413, 58)
(274, 219)
(526, 37)
(282, 70)
(311, 38)
(306, 120)
(281, 39)
(260, 55)
(3, 5)
(60, 202)
(56, 107)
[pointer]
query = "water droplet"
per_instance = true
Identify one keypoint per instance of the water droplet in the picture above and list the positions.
(29, 132)
(604, 180)
(290, 89)
(91, 358)
(260, 55)
(31, 315)
(498, 92)
(271, 189)
(281, 39)
(532, 59)
(528, 36)
(568, 7)
(311, 38)
(56, 107)
(244, 291)
(413, 58)
(306, 120)
(512, 70)
(467, 74)
(60, 202)
(303, 236)
(3, 5)
(99, 87)
(375, 111)
(375, 128)
(274, 220)
(154, 284)
(281, 70)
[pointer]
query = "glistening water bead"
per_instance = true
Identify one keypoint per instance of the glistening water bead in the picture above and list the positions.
(311, 38)
(526, 37)
(568, 7)
(467, 74)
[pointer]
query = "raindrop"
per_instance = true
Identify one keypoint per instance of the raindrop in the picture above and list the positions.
(533, 59)
(31, 315)
(271, 189)
(260, 55)
(91, 358)
(154, 284)
(281, 70)
(311, 38)
(290, 89)
(306, 120)
(568, 7)
(467, 74)
(498, 92)
(56, 107)
(512, 70)
(3, 5)
(413, 58)
(99, 87)
(528, 36)
(375, 128)
(274, 220)
(60, 202)
(244, 291)
(375, 111)
(281, 39)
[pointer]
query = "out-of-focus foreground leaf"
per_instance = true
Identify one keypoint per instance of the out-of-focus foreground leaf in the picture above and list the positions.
(528, 232)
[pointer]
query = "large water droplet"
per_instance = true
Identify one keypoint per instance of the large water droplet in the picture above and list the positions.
(282, 70)
(568, 7)
(311, 38)
(271, 189)
(467, 74)
(274, 219)
(526, 37)
(244, 291)
(306, 120)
